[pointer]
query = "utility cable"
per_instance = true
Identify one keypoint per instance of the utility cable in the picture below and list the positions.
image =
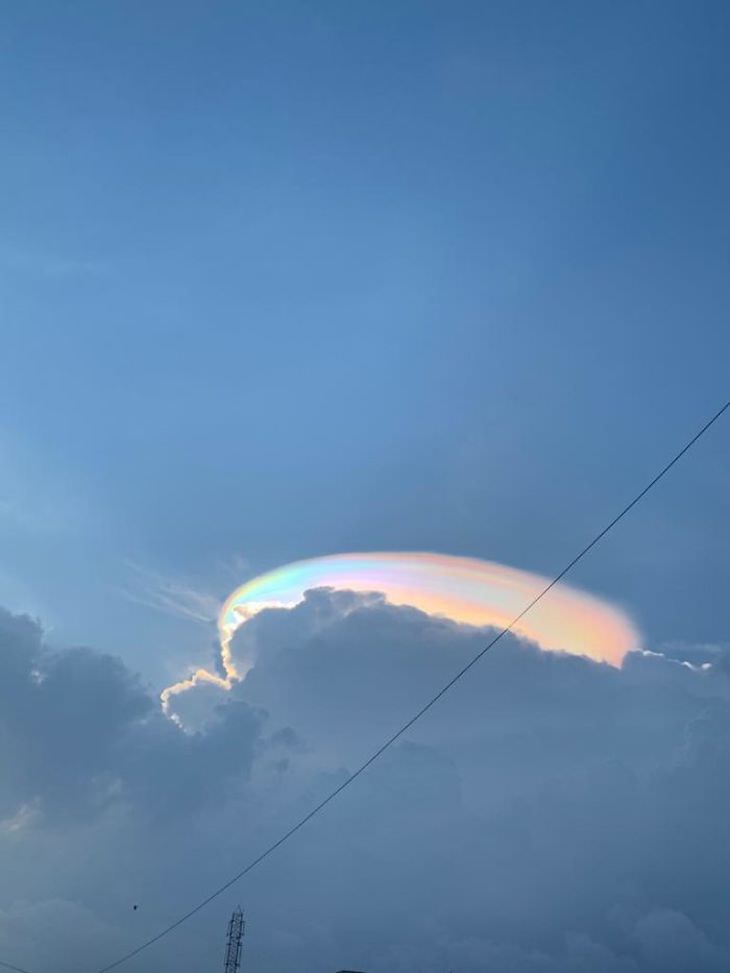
(416, 716)
(423, 710)
(9, 966)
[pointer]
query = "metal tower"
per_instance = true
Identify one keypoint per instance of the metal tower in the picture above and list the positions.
(234, 943)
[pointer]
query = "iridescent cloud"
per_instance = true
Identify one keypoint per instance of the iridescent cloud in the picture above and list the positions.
(464, 590)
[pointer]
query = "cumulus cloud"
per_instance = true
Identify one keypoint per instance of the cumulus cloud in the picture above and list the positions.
(80, 732)
(551, 814)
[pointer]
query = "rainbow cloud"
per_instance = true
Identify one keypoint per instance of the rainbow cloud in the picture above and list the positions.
(464, 590)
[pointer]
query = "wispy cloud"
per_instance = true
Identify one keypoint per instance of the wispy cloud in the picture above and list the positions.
(170, 595)
(23, 818)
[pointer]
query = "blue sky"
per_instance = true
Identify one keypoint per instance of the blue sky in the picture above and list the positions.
(281, 280)
(284, 280)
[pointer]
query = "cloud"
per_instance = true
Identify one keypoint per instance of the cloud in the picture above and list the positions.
(56, 930)
(80, 732)
(468, 591)
(551, 814)
(171, 595)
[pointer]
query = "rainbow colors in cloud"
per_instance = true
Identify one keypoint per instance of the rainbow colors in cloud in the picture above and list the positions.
(464, 590)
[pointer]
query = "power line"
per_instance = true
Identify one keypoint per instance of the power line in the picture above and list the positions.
(9, 966)
(423, 710)
(417, 716)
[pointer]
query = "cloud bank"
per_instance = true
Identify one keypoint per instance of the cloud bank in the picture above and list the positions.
(553, 813)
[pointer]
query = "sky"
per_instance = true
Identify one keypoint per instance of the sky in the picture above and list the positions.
(286, 281)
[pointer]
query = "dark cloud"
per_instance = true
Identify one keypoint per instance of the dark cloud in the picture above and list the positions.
(551, 814)
(80, 732)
